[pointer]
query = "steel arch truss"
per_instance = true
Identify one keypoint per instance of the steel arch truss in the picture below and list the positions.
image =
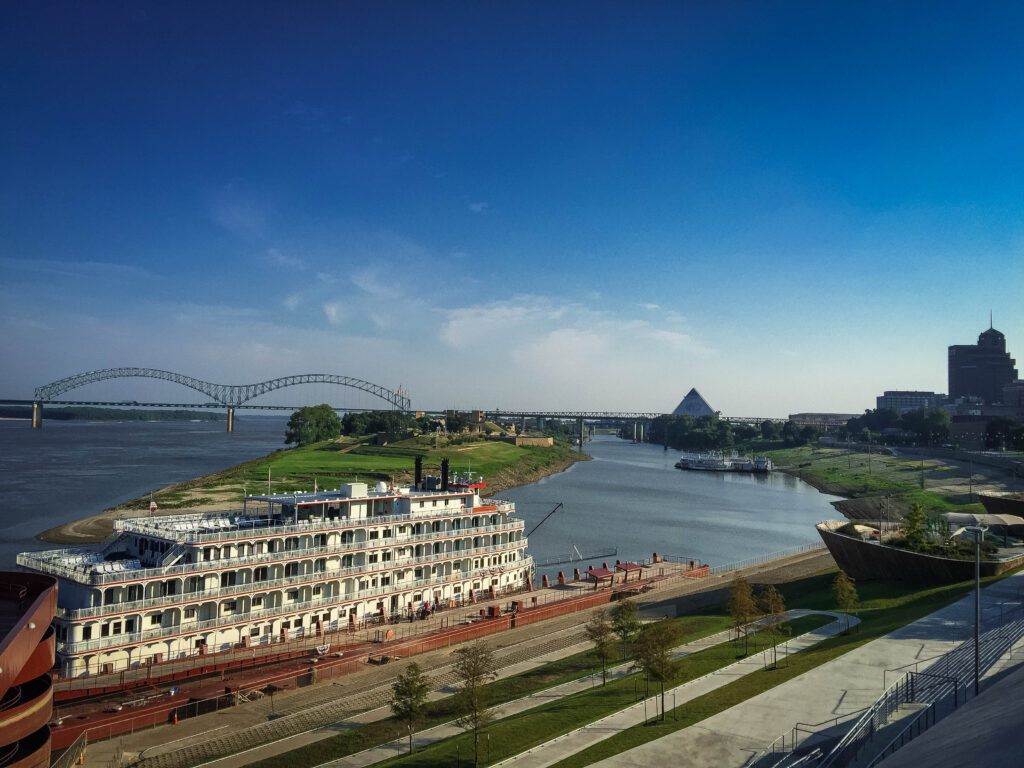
(226, 394)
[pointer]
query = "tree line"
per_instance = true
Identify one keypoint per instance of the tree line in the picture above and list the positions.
(712, 433)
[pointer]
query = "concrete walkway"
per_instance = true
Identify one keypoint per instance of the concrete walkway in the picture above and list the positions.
(839, 688)
(570, 743)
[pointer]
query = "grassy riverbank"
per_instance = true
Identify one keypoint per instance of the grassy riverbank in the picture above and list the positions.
(880, 487)
(327, 465)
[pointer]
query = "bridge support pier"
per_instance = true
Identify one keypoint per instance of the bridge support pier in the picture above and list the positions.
(579, 423)
(37, 415)
(231, 420)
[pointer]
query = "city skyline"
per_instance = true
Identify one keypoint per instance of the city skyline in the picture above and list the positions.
(589, 206)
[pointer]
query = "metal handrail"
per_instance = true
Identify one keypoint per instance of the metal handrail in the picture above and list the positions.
(272, 584)
(51, 565)
(85, 646)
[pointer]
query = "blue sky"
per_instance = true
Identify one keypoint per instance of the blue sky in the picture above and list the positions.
(790, 206)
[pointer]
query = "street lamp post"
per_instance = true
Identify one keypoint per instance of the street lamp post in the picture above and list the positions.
(979, 534)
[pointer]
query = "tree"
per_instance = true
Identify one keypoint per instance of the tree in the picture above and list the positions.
(409, 697)
(625, 622)
(599, 632)
(913, 527)
(312, 424)
(774, 607)
(742, 608)
(654, 653)
(474, 668)
(846, 595)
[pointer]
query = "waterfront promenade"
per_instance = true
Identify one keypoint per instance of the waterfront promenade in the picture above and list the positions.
(200, 740)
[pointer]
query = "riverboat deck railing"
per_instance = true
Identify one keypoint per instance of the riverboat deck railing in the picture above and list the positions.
(52, 561)
(259, 614)
(204, 595)
(161, 527)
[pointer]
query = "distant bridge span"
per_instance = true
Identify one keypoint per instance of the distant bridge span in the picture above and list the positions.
(230, 396)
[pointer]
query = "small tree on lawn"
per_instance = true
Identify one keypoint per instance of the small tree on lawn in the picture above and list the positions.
(774, 607)
(409, 697)
(846, 595)
(654, 647)
(599, 632)
(913, 527)
(626, 622)
(474, 668)
(742, 609)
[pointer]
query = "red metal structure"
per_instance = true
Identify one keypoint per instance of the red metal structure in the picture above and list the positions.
(27, 605)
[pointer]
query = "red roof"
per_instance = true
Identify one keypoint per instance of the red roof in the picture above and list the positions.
(628, 567)
(599, 573)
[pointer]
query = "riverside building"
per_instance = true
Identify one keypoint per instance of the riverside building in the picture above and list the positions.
(285, 566)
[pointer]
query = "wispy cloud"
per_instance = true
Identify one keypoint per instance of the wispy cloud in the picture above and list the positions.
(285, 259)
(651, 307)
(237, 212)
(77, 269)
(479, 207)
(334, 312)
(292, 301)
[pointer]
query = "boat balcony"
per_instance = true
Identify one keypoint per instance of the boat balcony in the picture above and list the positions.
(261, 614)
(175, 527)
(66, 563)
(204, 595)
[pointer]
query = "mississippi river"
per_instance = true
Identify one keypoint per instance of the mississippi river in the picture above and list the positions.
(629, 497)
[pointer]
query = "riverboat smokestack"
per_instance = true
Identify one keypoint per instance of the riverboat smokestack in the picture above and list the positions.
(418, 480)
(444, 474)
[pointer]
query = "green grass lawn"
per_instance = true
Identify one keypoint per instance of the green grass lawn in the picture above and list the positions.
(885, 607)
(332, 463)
(500, 691)
(854, 475)
(512, 735)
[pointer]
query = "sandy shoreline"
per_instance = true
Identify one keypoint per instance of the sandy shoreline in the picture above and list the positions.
(95, 528)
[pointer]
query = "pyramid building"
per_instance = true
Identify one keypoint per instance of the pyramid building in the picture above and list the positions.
(693, 405)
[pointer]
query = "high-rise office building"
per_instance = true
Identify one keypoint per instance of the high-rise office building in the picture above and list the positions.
(982, 369)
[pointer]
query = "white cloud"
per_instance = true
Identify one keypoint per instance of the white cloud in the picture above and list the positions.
(651, 307)
(292, 301)
(285, 259)
(237, 212)
(334, 312)
(478, 207)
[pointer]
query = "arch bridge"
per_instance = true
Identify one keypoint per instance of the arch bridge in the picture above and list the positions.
(230, 396)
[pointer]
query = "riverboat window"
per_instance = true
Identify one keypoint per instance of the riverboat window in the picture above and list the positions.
(421, 505)
(291, 569)
(210, 553)
(254, 632)
(418, 573)
(433, 503)
(387, 533)
(195, 583)
(190, 613)
(494, 582)
(134, 592)
(87, 633)
(129, 625)
(260, 574)
(292, 594)
(385, 581)
(372, 558)
(105, 630)
(109, 595)
(456, 590)
(154, 620)
(374, 534)
(228, 606)
(257, 601)
(385, 555)
(298, 622)
(320, 540)
(117, 628)
(292, 542)
(320, 565)
(228, 579)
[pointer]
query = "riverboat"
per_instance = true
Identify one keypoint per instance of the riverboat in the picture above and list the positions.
(715, 461)
(286, 565)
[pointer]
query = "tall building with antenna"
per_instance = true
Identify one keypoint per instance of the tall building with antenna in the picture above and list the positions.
(981, 370)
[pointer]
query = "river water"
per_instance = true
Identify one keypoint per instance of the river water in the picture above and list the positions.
(629, 497)
(632, 498)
